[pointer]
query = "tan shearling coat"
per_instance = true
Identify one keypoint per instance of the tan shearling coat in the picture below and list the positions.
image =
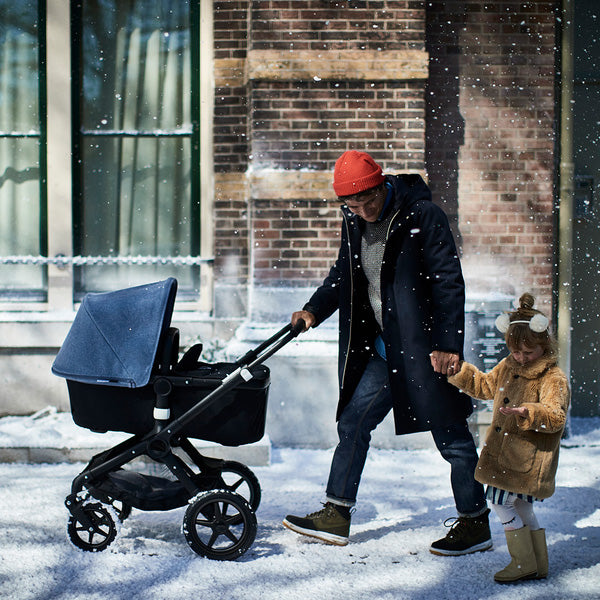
(520, 454)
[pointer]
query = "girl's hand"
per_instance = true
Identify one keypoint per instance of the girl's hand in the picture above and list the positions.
(520, 411)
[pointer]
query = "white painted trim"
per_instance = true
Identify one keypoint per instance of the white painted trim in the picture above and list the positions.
(207, 183)
(58, 90)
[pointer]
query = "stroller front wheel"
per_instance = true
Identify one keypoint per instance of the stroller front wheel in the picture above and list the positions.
(92, 528)
(219, 524)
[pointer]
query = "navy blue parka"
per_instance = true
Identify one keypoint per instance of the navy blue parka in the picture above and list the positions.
(423, 295)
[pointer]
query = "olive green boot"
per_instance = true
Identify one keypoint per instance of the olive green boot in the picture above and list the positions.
(540, 549)
(523, 564)
(331, 524)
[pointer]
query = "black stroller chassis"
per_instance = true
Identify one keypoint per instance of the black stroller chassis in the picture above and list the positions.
(139, 386)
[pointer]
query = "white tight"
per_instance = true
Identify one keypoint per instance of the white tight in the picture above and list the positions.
(515, 514)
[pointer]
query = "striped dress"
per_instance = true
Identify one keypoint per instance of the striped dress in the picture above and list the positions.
(497, 496)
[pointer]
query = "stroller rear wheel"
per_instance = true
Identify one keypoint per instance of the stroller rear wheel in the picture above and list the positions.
(219, 524)
(92, 528)
(237, 477)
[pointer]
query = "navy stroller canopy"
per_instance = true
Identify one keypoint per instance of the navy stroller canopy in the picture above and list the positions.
(115, 336)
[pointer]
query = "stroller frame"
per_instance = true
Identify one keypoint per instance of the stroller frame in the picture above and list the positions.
(220, 522)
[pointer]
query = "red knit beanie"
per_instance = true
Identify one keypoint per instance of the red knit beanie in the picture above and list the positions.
(355, 172)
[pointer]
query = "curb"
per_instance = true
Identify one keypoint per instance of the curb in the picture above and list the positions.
(256, 455)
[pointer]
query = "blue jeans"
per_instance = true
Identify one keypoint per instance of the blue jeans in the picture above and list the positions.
(371, 402)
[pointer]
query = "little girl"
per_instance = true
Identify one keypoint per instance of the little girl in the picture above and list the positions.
(519, 458)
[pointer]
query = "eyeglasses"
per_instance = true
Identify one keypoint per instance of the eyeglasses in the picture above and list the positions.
(362, 198)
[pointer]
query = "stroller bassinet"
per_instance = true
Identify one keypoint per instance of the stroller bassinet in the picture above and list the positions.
(121, 362)
(119, 339)
(238, 418)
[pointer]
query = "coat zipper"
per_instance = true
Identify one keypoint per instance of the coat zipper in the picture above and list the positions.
(387, 235)
(351, 299)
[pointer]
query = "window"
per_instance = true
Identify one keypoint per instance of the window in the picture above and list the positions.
(136, 126)
(22, 151)
(101, 149)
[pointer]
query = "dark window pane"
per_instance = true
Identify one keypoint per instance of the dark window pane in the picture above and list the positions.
(135, 147)
(136, 65)
(129, 192)
(19, 58)
(22, 241)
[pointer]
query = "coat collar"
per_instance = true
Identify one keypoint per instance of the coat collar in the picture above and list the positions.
(531, 370)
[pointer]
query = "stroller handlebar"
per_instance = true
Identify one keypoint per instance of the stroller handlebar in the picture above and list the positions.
(273, 344)
(298, 328)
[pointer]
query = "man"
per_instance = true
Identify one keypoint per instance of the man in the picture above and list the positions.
(398, 285)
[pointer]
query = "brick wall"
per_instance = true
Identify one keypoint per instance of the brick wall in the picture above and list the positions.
(491, 138)
(325, 77)
(232, 229)
(460, 92)
(328, 25)
(231, 221)
(231, 107)
(293, 240)
(307, 125)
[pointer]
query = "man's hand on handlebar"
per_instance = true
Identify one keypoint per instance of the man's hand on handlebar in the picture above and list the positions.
(308, 318)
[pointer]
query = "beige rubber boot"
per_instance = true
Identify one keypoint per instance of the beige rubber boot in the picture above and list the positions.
(540, 549)
(522, 565)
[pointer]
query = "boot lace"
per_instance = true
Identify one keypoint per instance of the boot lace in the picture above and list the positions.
(326, 511)
(458, 527)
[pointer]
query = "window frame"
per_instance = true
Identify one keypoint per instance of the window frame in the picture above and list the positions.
(57, 183)
(33, 296)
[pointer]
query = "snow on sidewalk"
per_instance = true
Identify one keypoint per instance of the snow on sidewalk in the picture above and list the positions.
(404, 499)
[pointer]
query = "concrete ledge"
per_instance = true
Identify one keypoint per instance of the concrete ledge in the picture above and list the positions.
(229, 72)
(50, 436)
(277, 184)
(43, 333)
(257, 455)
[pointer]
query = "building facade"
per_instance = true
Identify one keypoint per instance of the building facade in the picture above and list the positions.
(197, 140)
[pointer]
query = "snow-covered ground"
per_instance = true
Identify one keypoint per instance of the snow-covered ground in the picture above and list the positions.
(404, 499)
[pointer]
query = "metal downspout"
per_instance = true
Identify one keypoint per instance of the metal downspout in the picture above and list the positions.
(566, 191)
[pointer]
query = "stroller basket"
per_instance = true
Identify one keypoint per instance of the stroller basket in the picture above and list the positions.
(237, 418)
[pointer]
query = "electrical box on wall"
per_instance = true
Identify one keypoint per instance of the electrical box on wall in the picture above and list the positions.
(584, 196)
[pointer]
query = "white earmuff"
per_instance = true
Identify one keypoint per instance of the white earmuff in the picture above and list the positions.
(502, 323)
(538, 323)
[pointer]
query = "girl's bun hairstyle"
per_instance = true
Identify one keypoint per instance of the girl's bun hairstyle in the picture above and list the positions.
(526, 302)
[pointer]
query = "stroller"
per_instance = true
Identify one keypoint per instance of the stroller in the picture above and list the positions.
(121, 362)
